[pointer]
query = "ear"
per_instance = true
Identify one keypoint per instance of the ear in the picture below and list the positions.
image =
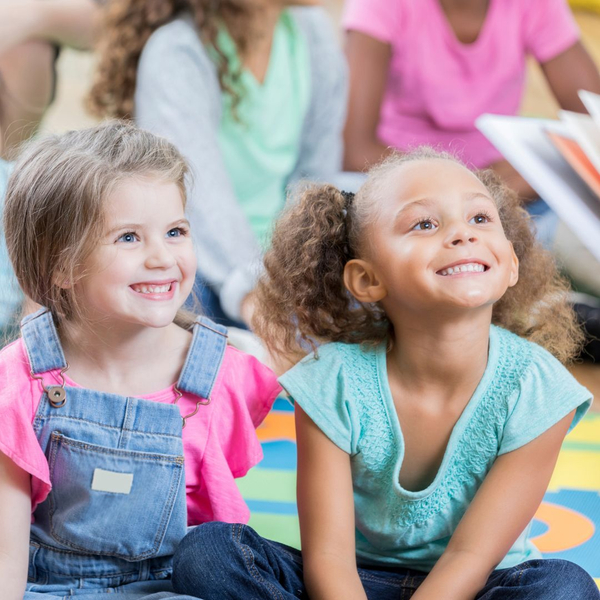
(514, 269)
(60, 279)
(362, 281)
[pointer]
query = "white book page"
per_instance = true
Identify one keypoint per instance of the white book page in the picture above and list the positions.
(585, 132)
(524, 143)
(592, 103)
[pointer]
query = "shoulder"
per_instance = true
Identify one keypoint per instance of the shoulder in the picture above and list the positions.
(530, 360)
(179, 32)
(245, 386)
(313, 21)
(16, 382)
(14, 362)
(177, 39)
(328, 369)
(317, 28)
(541, 393)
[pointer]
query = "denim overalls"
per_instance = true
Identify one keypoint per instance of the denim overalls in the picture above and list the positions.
(117, 509)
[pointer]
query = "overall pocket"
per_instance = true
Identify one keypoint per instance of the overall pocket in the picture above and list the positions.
(109, 501)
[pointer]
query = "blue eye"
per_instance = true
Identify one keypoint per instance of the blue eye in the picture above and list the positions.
(176, 232)
(425, 225)
(127, 237)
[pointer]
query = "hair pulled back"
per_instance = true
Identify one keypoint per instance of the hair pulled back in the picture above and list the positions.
(302, 300)
(130, 23)
(54, 213)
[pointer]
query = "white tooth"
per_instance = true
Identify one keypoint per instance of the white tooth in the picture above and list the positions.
(470, 268)
(450, 271)
(444, 272)
(463, 268)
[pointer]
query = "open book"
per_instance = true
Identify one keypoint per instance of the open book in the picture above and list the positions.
(560, 159)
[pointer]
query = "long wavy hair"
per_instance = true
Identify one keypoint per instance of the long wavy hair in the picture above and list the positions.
(302, 300)
(130, 23)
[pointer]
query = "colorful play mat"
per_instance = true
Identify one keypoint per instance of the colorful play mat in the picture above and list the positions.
(567, 524)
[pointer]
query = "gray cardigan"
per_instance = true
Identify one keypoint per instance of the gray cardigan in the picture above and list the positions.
(178, 96)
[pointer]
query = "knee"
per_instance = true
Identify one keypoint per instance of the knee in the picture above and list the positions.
(204, 557)
(563, 579)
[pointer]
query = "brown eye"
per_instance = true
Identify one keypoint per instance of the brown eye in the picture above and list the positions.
(424, 225)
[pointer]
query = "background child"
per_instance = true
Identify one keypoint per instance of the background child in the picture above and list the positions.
(426, 435)
(92, 443)
(422, 72)
(252, 93)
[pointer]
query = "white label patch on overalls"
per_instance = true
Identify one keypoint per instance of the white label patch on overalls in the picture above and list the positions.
(111, 481)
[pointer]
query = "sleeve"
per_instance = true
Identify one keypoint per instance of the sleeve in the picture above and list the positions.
(321, 148)
(178, 96)
(246, 391)
(376, 18)
(320, 386)
(549, 28)
(546, 394)
(18, 404)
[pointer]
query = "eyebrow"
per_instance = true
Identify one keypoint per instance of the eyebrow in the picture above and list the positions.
(139, 226)
(427, 202)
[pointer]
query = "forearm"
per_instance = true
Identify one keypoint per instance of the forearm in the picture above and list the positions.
(67, 22)
(329, 578)
(456, 576)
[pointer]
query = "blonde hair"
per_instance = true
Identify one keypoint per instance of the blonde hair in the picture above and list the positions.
(54, 209)
(302, 299)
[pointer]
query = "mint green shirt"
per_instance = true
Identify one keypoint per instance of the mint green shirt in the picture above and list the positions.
(262, 145)
(523, 392)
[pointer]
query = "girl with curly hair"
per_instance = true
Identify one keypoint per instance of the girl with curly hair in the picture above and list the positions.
(252, 92)
(430, 418)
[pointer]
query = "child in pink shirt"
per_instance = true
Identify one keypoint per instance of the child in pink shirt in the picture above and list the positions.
(422, 71)
(124, 420)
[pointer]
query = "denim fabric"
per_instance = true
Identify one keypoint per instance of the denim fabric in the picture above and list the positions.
(90, 539)
(220, 561)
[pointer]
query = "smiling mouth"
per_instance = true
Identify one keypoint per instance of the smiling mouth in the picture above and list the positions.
(473, 267)
(148, 288)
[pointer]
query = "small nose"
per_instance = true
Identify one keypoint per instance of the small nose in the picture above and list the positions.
(159, 256)
(461, 236)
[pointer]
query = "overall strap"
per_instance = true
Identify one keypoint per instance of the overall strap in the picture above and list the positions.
(41, 342)
(204, 358)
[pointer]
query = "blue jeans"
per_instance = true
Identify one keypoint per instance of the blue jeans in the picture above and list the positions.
(219, 561)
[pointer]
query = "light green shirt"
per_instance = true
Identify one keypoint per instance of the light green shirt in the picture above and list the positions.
(523, 392)
(261, 144)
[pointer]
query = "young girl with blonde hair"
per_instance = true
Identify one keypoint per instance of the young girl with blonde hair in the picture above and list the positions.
(252, 92)
(111, 390)
(430, 417)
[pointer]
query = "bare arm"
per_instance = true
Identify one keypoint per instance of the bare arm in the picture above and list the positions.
(569, 72)
(65, 22)
(15, 517)
(326, 511)
(566, 74)
(368, 60)
(495, 518)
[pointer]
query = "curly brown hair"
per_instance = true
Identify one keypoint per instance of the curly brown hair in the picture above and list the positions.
(129, 24)
(302, 301)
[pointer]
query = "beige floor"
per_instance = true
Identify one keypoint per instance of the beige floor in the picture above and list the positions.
(76, 69)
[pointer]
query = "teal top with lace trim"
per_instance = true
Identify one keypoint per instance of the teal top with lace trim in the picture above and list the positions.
(523, 392)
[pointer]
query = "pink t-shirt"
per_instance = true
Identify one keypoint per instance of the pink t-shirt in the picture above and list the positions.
(437, 86)
(219, 442)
